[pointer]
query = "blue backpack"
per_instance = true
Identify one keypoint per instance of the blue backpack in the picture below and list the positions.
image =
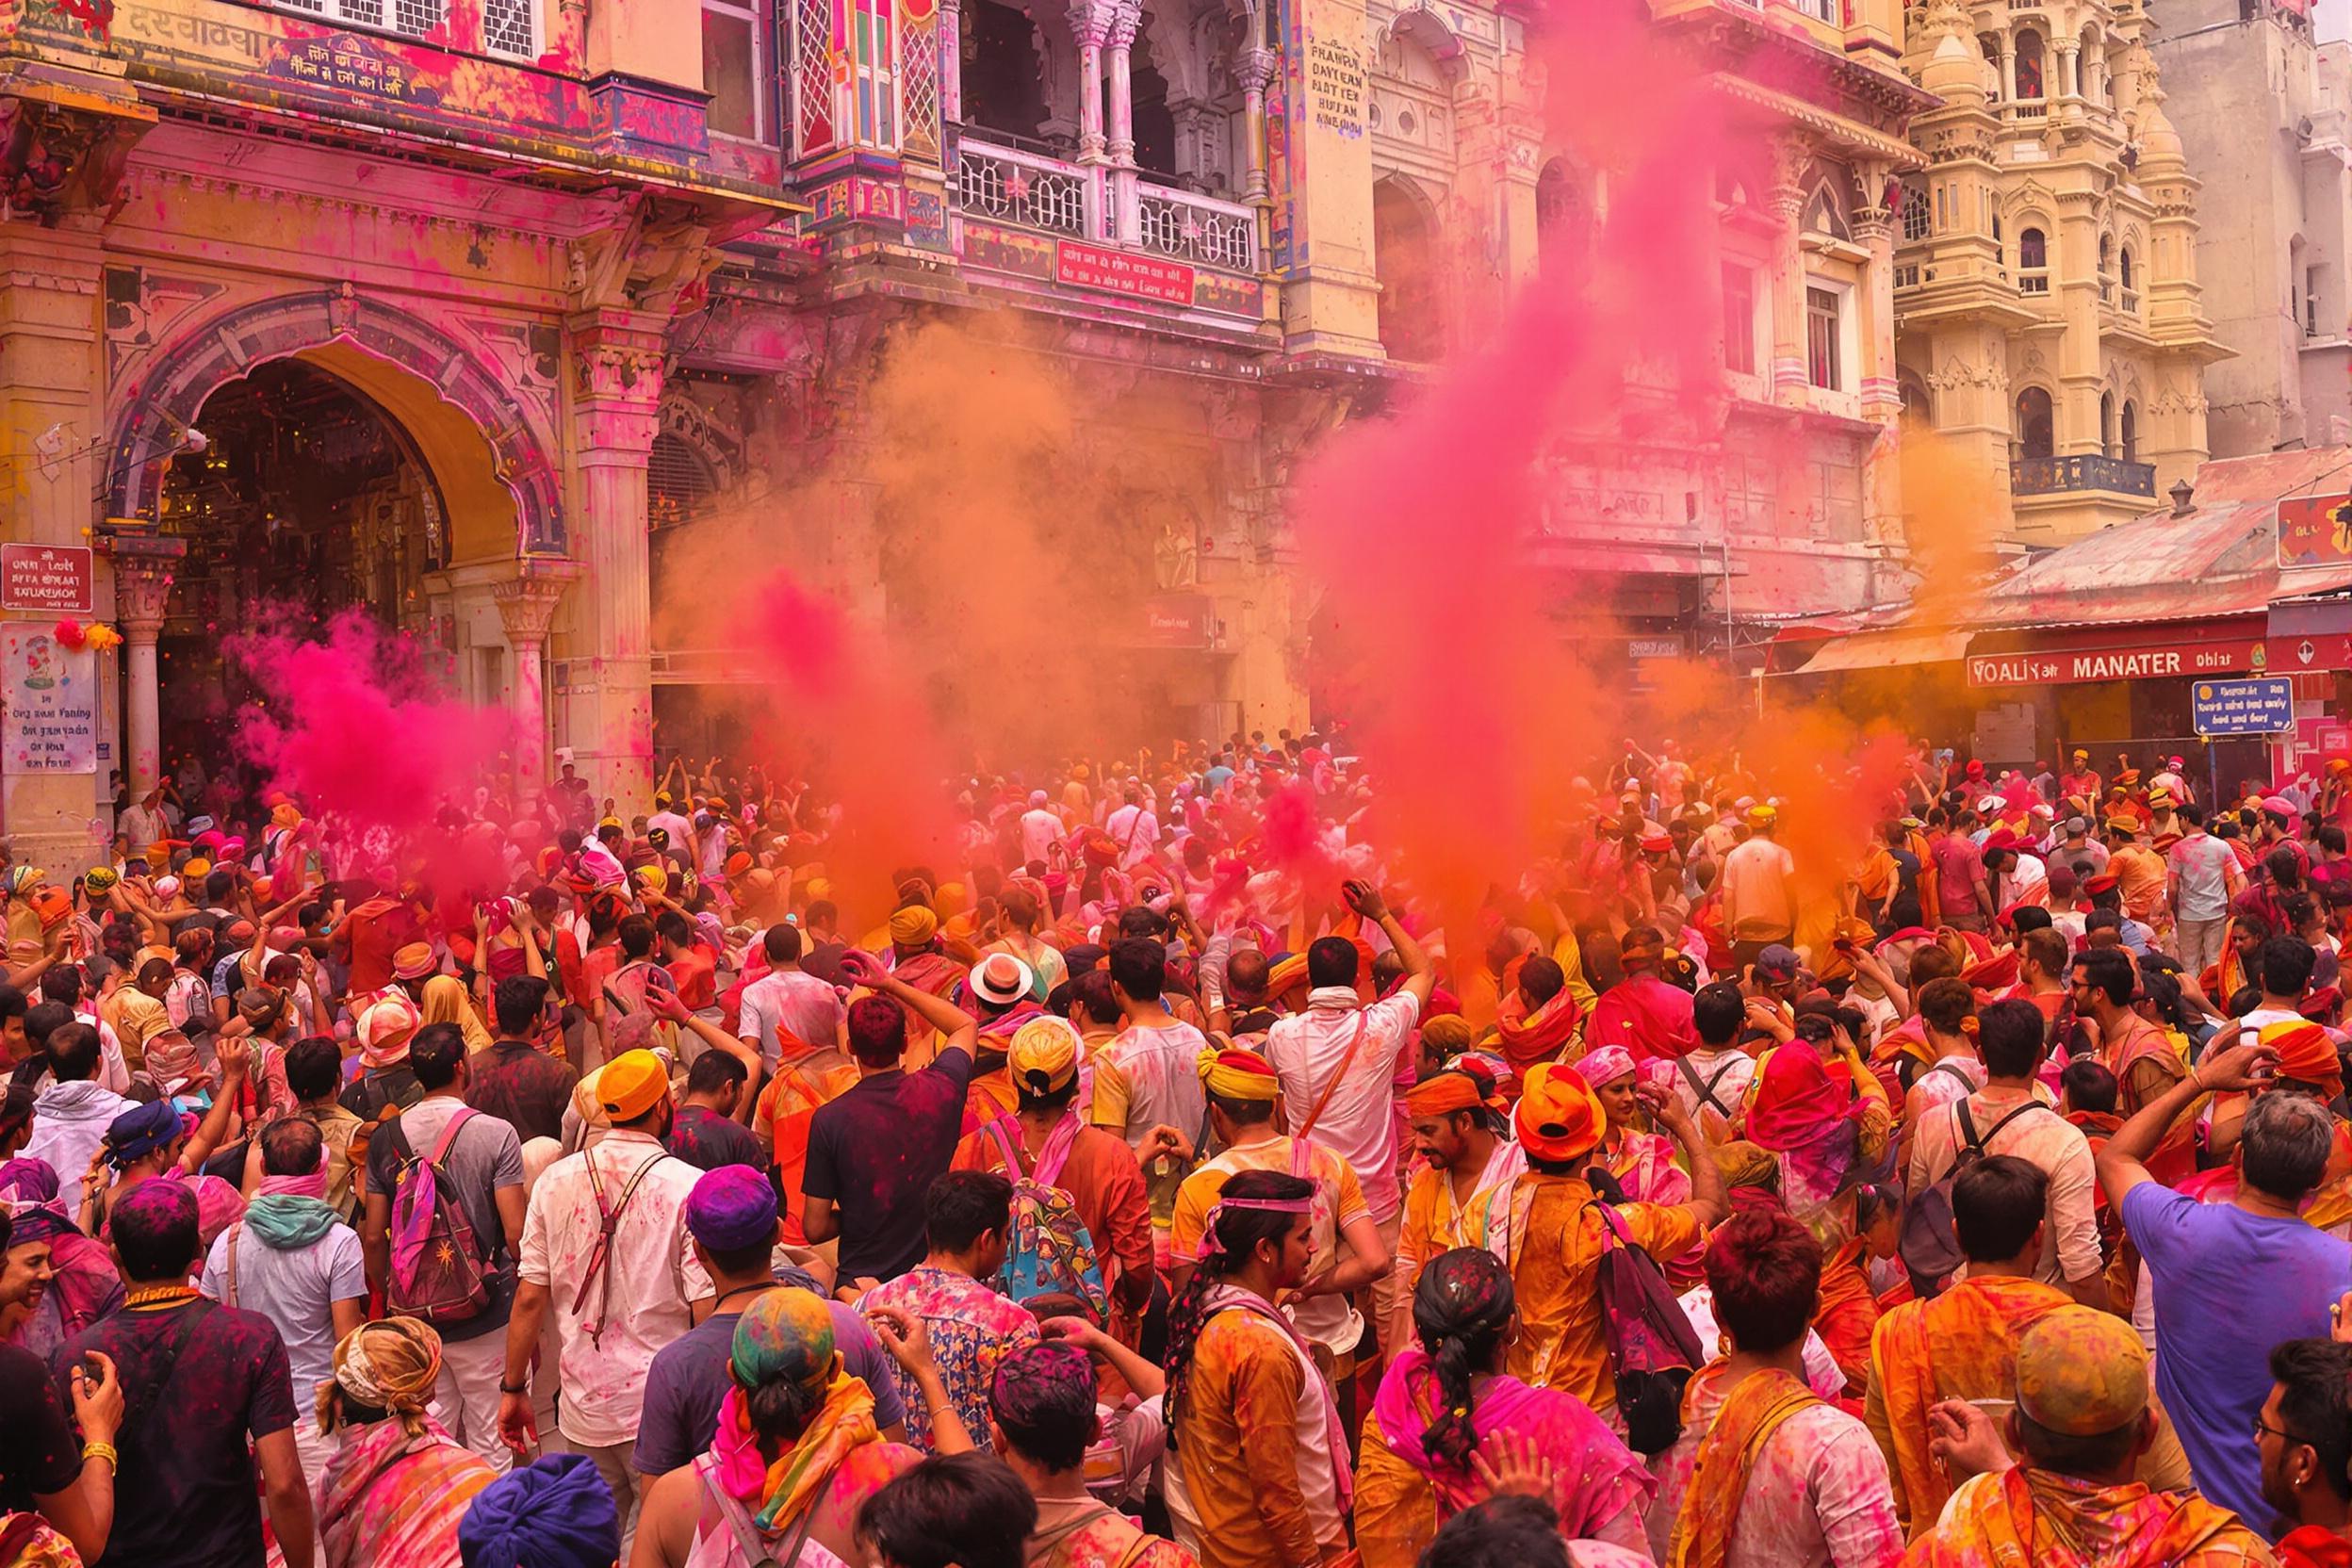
(1047, 1249)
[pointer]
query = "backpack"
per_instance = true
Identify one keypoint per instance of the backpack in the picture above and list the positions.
(1048, 1250)
(437, 1270)
(1651, 1348)
(1928, 1247)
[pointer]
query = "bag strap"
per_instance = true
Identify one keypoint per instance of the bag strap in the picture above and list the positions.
(1969, 1121)
(449, 1136)
(235, 1231)
(1955, 1070)
(1364, 1025)
(1006, 1147)
(1705, 1088)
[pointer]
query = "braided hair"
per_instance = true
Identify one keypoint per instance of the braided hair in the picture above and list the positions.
(1234, 1239)
(1461, 1309)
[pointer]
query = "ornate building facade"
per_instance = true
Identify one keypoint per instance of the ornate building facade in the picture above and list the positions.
(2049, 319)
(2262, 111)
(471, 315)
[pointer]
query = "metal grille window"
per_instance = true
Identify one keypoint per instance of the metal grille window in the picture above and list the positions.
(416, 18)
(813, 43)
(919, 80)
(506, 28)
(678, 482)
(1917, 215)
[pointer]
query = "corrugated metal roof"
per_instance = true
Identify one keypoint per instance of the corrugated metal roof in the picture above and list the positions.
(2221, 559)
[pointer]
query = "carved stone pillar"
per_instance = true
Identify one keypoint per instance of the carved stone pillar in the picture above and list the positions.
(1791, 373)
(142, 596)
(1256, 67)
(1090, 24)
(1125, 23)
(952, 61)
(526, 606)
(616, 386)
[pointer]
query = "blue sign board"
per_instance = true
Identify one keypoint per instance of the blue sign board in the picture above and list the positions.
(2263, 707)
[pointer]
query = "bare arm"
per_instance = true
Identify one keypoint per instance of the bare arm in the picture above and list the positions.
(819, 1221)
(375, 1238)
(2121, 1162)
(1708, 1199)
(287, 1496)
(961, 1031)
(511, 1210)
(1420, 973)
(1144, 1377)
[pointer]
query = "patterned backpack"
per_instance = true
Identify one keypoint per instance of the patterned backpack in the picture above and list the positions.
(1047, 1248)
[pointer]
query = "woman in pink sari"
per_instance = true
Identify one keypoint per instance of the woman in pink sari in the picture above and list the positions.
(1442, 1400)
(395, 1490)
(1643, 1163)
(82, 1283)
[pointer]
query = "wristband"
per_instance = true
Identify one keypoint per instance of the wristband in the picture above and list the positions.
(523, 1387)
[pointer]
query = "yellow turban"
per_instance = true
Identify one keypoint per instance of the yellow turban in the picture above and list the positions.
(1233, 1075)
(818, 888)
(1290, 971)
(653, 879)
(950, 900)
(1043, 1055)
(630, 1083)
(198, 867)
(913, 926)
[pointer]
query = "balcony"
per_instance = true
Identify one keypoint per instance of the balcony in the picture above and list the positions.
(2058, 475)
(1032, 191)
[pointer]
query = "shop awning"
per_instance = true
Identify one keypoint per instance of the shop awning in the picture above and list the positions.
(1873, 650)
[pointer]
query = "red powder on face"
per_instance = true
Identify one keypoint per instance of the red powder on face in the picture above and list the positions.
(355, 727)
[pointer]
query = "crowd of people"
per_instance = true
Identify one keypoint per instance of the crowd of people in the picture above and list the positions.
(1156, 1180)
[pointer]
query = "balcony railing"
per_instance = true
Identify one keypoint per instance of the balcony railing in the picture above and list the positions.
(2054, 476)
(1198, 229)
(1089, 202)
(1026, 188)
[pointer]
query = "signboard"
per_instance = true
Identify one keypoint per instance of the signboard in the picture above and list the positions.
(51, 692)
(2033, 668)
(1654, 647)
(2242, 707)
(1178, 621)
(2309, 534)
(48, 580)
(1117, 273)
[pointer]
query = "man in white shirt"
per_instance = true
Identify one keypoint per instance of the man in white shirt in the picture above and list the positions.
(1134, 829)
(1337, 1062)
(2204, 877)
(1712, 1080)
(788, 1001)
(665, 816)
(1040, 829)
(617, 1299)
(1759, 881)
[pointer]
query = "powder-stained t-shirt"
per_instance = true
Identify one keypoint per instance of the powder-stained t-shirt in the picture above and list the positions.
(38, 1450)
(197, 1382)
(701, 1136)
(690, 1377)
(876, 1150)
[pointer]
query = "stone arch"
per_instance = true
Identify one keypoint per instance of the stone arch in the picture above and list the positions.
(471, 434)
(1418, 24)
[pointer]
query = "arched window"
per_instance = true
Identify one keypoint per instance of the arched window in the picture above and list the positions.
(2032, 262)
(1917, 217)
(1001, 90)
(2106, 267)
(2107, 423)
(1405, 259)
(1826, 214)
(1992, 46)
(1563, 220)
(2126, 279)
(2130, 431)
(1917, 402)
(2029, 67)
(2036, 436)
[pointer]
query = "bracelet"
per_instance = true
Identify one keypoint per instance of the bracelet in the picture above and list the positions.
(523, 1387)
(104, 1451)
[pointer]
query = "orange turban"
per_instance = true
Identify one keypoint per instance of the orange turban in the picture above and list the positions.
(1451, 1090)
(2305, 1052)
(1559, 1116)
(1288, 972)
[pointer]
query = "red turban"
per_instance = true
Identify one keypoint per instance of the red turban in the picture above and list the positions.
(1795, 1095)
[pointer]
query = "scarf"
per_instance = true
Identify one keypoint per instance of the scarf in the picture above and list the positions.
(1648, 1015)
(780, 1491)
(1846, 1317)
(1594, 1475)
(290, 1212)
(390, 1495)
(1538, 1037)
(1719, 1478)
(2028, 1518)
(1232, 1297)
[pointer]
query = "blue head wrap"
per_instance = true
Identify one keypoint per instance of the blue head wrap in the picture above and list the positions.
(555, 1513)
